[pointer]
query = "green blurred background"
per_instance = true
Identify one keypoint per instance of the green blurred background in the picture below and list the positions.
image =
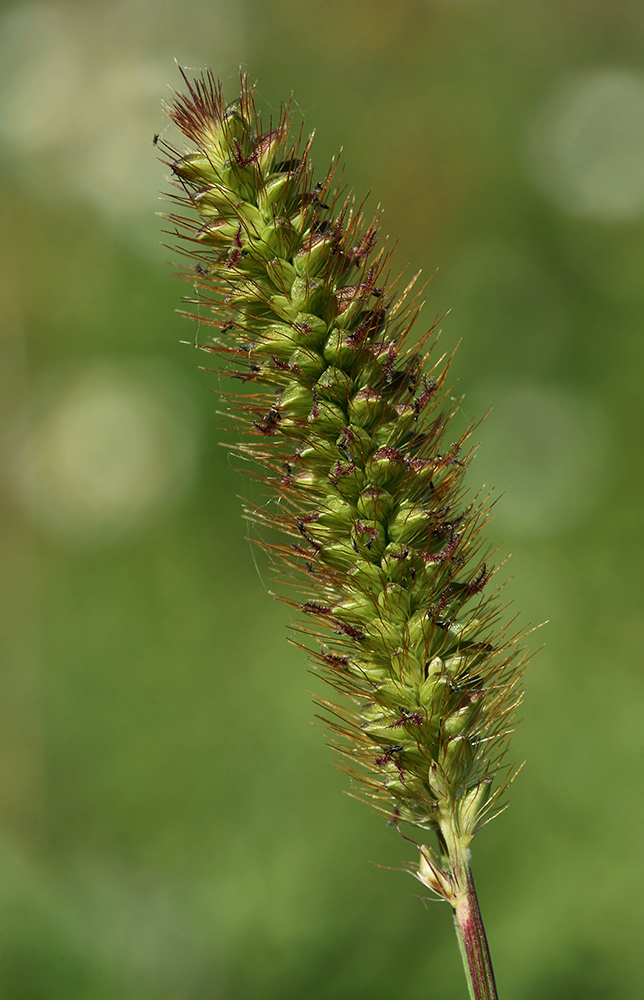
(172, 825)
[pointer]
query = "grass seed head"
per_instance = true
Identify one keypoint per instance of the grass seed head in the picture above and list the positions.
(348, 421)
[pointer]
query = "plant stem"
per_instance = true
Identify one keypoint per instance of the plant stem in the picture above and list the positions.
(472, 940)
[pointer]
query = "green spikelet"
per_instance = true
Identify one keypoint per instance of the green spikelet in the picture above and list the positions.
(350, 426)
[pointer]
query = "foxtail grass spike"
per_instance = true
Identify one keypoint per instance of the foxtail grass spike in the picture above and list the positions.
(348, 424)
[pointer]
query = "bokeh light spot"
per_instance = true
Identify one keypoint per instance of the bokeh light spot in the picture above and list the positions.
(586, 146)
(81, 89)
(96, 453)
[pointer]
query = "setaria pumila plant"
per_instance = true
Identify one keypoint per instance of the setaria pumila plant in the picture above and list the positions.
(348, 426)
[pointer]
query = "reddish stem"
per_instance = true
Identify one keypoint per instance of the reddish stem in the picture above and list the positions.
(473, 942)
